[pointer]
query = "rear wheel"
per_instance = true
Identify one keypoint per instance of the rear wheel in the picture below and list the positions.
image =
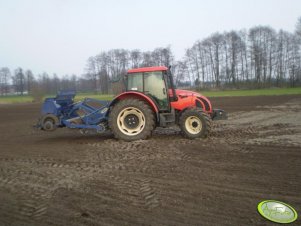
(195, 123)
(131, 119)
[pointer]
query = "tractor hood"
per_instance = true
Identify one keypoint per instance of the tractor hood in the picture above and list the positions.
(187, 93)
(183, 94)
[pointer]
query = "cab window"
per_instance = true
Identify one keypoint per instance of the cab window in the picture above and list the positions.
(135, 82)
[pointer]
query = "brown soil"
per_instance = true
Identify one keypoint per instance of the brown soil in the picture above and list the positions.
(66, 178)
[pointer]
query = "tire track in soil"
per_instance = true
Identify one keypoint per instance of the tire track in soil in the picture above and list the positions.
(137, 150)
(85, 166)
(33, 208)
(149, 194)
(124, 152)
(235, 135)
(230, 136)
(36, 201)
(38, 188)
(129, 172)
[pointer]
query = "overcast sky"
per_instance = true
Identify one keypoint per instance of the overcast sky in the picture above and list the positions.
(59, 35)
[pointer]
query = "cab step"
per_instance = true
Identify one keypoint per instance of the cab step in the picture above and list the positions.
(167, 119)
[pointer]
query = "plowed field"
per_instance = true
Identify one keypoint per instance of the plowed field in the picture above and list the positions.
(66, 178)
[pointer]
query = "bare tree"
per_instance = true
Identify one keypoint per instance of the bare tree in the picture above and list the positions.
(4, 79)
(136, 58)
(91, 71)
(29, 80)
(19, 81)
(298, 27)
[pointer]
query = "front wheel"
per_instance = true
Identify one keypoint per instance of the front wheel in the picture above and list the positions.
(195, 123)
(131, 119)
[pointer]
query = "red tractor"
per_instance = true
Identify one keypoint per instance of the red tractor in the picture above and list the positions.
(151, 101)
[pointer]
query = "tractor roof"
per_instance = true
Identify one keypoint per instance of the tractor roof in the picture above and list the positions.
(147, 69)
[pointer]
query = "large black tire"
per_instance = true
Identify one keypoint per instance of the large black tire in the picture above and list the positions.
(195, 123)
(131, 119)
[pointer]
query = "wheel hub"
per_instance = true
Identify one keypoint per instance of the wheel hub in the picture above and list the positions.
(48, 125)
(131, 121)
(193, 125)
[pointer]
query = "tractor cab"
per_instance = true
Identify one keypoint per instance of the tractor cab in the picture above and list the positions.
(154, 82)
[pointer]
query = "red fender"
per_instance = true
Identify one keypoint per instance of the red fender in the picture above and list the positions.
(137, 95)
(206, 102)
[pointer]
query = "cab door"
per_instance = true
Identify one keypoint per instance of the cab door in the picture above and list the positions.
(155, 88)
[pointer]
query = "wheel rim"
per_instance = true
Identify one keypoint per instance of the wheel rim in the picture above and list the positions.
(193, 125)
(48, 125)
(131, 121)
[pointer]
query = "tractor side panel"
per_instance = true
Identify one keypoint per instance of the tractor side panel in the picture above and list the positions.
(183, 103)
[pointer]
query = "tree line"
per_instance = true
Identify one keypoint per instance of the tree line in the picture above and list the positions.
(254, 58)
(257, 58)
(101, 73)
(25, 82)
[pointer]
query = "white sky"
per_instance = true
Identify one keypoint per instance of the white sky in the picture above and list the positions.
(57, 36)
